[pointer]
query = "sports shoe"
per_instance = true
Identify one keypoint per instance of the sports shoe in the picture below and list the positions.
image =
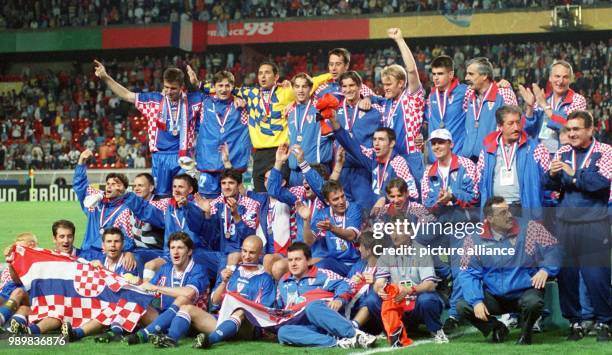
(450, 325)
(440, 337)
(201, 342)
(510, 320)
(603, 332)
(133, 339)
(17, 328)
(347, 343)
(364, 339)
(589, 327)
(395, 339)
(538, 326)
(163, 341)
(500, 333)
(576, 332)
(67, 332)
(107, 337)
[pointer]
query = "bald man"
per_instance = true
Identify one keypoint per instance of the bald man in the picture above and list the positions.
(248, 278)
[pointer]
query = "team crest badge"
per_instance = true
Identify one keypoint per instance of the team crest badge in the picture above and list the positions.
(240, 287)
(490, 104)
(450, 99)
(361, 114)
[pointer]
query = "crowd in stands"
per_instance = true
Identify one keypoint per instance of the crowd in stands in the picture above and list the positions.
(58, 114)
(42, 14)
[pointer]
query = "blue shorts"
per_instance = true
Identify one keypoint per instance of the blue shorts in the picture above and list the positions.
(6, 291)
(209, 184)
(164, 168)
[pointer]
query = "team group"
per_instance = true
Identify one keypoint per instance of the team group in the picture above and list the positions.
(330, 159)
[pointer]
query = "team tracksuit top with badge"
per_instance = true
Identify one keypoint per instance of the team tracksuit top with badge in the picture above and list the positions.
(460, 181)
(508, 276)
(221, 122)
(292, 293)
(105, 214)
(449, 107)
(194, 277)
(330, 245)
(361, 126)
(587, 199)
(231, 234)
(480, 117)
(167, 215)
(291, 195)
(542, 127)
(306, 131)
(532, 161)
(255, 285)
(381, 172)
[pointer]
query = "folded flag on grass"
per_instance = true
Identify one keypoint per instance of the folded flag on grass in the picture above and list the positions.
(70, 290)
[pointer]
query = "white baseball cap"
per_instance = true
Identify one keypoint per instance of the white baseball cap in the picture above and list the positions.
(441, 133)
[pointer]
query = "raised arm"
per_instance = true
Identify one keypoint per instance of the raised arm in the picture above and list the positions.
(411, 69)
(115, 87)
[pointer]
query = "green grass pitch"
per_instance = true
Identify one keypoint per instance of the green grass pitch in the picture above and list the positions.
(17, 217)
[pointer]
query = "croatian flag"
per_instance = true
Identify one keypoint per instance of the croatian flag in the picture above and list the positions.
(65, 288)
(264, 317)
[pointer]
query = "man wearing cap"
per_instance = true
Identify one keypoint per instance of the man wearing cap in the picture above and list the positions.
(451, 179)
(448, 188)
(512, 166)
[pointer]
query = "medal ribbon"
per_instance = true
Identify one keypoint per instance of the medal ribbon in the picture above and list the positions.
(380, 178)
(299, 128)
(103, 221)
(350, 122)
(266, 103)
(586, 158)
(508, 161)
(228, 109)
(477, 114)
(442, 103)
